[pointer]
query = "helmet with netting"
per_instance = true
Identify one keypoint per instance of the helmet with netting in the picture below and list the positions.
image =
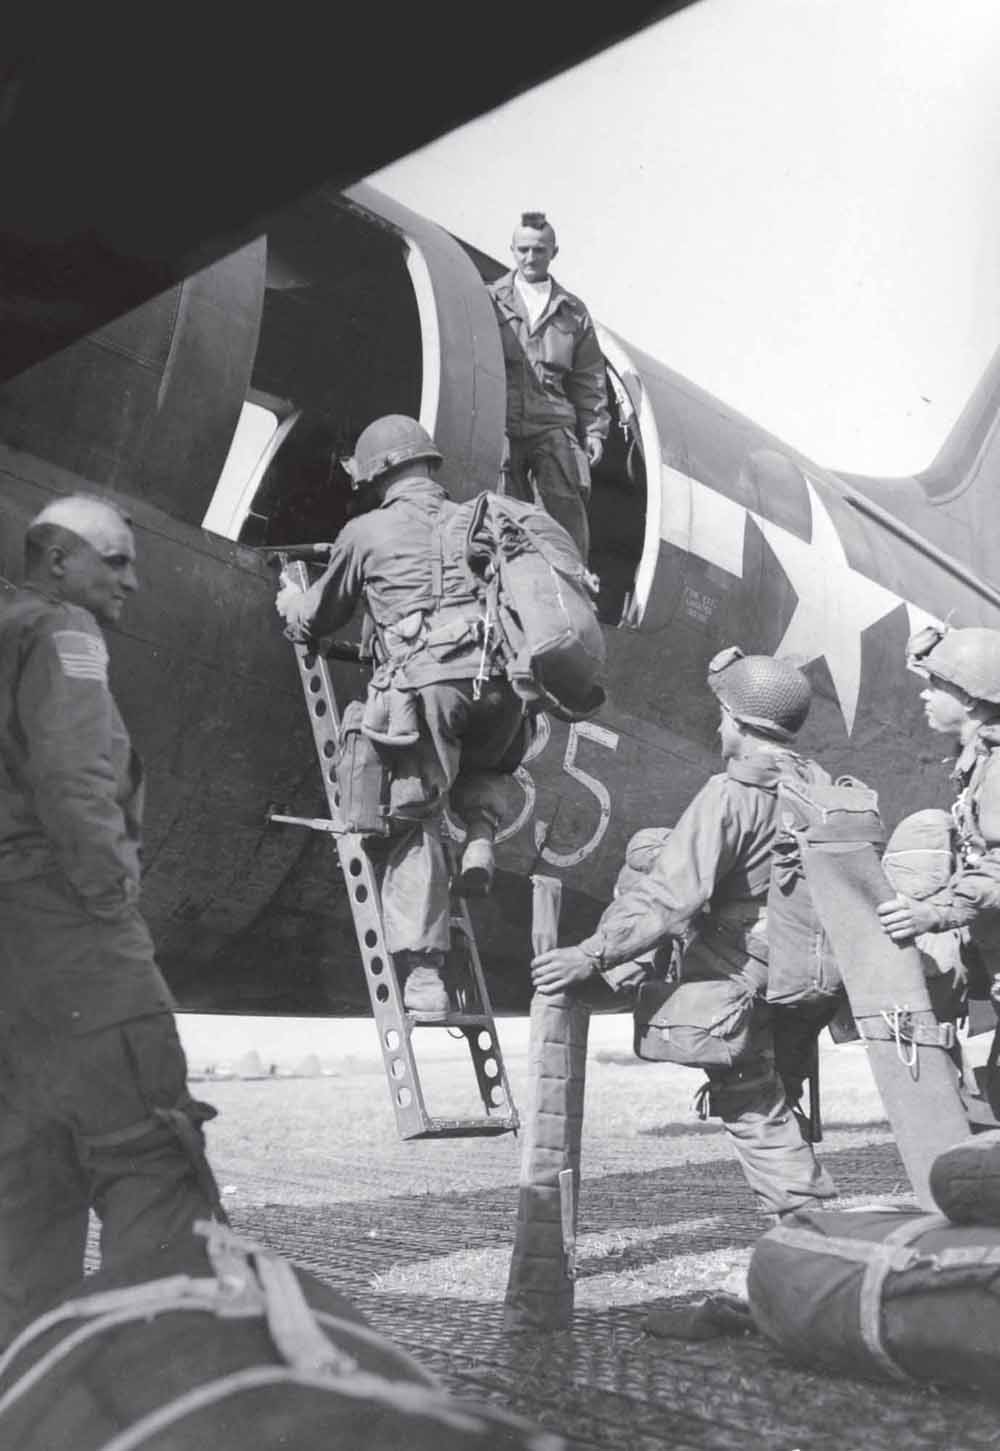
(767, 695)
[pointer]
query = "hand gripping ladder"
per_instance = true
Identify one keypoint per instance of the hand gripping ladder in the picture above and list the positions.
(395, 1025)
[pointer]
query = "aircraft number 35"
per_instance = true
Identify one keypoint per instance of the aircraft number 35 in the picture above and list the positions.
(582, 730)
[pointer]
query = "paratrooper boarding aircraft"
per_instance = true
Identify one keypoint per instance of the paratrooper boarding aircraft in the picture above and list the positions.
(707, 530)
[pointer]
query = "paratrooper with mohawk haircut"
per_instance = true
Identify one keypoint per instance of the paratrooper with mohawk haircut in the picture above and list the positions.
(557, 406)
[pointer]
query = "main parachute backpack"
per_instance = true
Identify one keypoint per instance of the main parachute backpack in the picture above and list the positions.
(540, 597)
(801, 964)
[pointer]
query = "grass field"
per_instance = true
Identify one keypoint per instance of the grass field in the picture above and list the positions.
(419, 1234)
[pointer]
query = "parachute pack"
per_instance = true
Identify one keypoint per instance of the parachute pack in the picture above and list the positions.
(540, 597)
(882, 1294)
(801, 964)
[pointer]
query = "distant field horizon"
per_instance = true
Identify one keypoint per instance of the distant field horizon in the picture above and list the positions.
(224, 1038)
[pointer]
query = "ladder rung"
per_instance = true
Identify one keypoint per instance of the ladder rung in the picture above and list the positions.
(465, 1128)
(450, 1020)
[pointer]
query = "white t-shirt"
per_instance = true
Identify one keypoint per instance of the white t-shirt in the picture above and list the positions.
(534, 295)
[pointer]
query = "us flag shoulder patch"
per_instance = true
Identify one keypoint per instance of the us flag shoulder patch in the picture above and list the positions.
(82, 656)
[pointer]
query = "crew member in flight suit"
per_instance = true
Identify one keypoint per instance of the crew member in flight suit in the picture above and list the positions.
(707, 890)
(94, 1105)
(962, 699)
(557, 406)
(406, 558)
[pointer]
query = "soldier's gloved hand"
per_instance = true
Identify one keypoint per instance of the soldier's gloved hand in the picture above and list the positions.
(995, 991)
(594, 446)
(559, 968)
(287, 599)
(289, 604)
(904, 918)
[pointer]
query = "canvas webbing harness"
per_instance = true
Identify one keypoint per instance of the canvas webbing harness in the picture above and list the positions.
(427, 634)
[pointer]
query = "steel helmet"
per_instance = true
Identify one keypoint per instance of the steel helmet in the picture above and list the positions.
(388, 442)
(968, 658)
(768, 695)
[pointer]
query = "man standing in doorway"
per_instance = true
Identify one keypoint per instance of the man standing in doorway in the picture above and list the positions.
(557, 407)
(94, 1106)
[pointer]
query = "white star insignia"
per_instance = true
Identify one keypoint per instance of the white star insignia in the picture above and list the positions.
(835, 602)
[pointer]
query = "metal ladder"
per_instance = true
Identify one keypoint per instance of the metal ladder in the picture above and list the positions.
(394, 1024)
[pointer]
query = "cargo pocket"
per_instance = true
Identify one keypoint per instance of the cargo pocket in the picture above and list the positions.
(362, 775)
(698, 1024)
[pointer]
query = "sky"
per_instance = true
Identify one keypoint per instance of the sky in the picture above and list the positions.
(792, 202)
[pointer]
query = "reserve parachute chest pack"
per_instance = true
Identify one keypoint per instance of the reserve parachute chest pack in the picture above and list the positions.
(540, 598)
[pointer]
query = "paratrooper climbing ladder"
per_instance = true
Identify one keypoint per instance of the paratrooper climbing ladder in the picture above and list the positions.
(394, 1024)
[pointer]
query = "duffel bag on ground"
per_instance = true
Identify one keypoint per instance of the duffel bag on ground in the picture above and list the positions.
(229, 1347)
(965, 1180)
(882, 1294)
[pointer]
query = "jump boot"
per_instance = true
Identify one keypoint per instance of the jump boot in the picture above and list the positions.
(476, 875)
(424, 990)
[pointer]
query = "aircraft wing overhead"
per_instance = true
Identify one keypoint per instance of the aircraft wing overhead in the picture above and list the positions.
(132, 155)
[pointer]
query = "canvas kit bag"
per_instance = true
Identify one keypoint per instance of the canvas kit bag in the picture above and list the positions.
(540, 596)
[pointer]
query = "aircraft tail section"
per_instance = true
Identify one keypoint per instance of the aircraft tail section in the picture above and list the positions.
(952, 503)
(969, 458)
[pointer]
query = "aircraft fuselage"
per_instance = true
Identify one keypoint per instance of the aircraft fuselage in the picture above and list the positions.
(712, 533)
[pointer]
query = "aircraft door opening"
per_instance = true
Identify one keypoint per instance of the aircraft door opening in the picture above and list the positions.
(624, 501)
(340, 344)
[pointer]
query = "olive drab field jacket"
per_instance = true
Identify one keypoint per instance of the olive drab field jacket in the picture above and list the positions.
(70, 782)
(406, 559)
(555, 370)
(972, 897)
(710, 880)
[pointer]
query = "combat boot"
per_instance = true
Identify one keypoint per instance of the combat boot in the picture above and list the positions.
(476, 875)
(424, 990)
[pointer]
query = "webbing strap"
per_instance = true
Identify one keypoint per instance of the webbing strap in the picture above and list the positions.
(994, 1056)
(541, 545)
(192, 1144)
(828, 833)
(873, 1283)
(119, 1137)
(879, 1260)
(235, 1291)
(437, 560)
(296, 1336)
(401, 1396)
(895, 1025)
(103, 1312)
